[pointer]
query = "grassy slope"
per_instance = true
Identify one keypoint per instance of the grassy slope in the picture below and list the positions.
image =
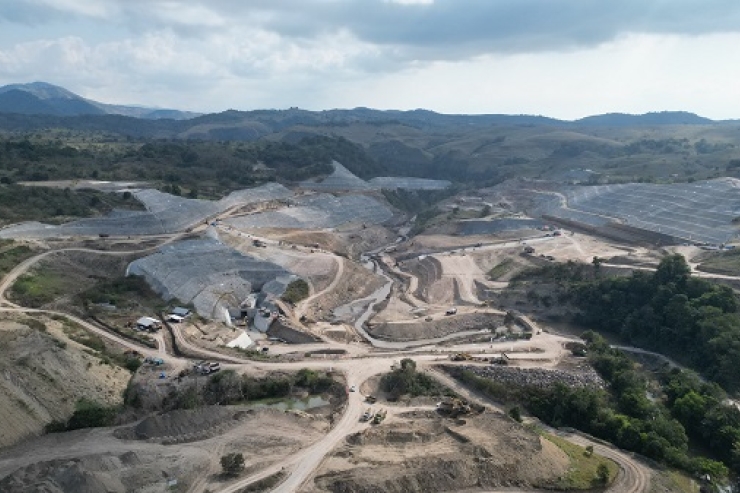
(12, 254)
(727, 263)
(582, 474)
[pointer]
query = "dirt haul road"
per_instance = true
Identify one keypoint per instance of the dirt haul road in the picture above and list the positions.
(303, 465)
(23, 267)
(297, 251)
(634, 477)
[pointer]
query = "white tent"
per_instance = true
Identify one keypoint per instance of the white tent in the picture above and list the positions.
(243, 341)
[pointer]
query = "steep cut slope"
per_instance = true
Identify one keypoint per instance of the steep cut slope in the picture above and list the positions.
(43, 374)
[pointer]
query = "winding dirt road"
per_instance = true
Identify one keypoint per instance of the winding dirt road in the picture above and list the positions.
(301, 466)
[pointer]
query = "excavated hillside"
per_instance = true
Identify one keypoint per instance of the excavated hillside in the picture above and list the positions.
(43, 374)
(426, 453)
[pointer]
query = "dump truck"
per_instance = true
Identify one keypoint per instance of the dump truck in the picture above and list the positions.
(379, 416)
(371, 399)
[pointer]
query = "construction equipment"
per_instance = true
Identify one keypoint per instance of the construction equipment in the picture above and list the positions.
(454, 407)
(371, 399)
(501, 360)
(462, 357)
(367, 415)
(379, 416)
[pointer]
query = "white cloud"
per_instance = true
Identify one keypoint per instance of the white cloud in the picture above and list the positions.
(565, 59)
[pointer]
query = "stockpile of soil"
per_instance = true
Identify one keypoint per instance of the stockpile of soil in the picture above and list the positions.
(440, 327)
(433, 454)
(62, 476)
(185, 424)
(110, 472)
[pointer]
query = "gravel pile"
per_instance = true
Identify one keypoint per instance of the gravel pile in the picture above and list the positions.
(537, 377)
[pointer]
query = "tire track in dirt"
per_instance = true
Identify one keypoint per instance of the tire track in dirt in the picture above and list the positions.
(634, 477)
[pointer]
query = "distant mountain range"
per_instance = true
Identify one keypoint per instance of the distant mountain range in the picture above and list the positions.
(41, 98)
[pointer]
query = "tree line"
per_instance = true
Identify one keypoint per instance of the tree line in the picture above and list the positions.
(212, 167)
(692, 320)
(621, 413)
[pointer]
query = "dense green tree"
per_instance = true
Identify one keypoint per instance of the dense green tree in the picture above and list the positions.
(232, 464)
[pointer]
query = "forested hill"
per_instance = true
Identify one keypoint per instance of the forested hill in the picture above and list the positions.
(196, 168)
(476, 149)
(690, 319)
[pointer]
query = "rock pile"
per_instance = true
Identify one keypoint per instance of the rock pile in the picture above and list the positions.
(537, 377)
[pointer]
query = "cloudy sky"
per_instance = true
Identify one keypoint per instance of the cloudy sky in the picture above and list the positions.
(561, 58)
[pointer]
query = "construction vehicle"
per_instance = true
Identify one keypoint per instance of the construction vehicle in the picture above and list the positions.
(371, 399)
(367, 415)
(501, 360)
(454, 407)
(379, 416)
(462, 357)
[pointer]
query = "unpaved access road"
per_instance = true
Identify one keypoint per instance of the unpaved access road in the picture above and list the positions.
(301, 466)
(634, 476)
(23, 267)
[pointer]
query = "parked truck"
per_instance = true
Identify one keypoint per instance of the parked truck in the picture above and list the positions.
(379, 416)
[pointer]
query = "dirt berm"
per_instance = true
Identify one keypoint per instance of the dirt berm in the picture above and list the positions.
(91, 474)
(185, 425)
(432, 454)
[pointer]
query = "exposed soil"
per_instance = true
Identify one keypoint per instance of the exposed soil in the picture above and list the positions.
(422, 452)
(43, 375)
(438, 327)
(91, 461)
(356, 283)
(318, 269)
(428, 270)
(349, 241)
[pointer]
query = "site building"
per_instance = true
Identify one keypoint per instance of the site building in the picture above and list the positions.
(180, 311)
(148, 323)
